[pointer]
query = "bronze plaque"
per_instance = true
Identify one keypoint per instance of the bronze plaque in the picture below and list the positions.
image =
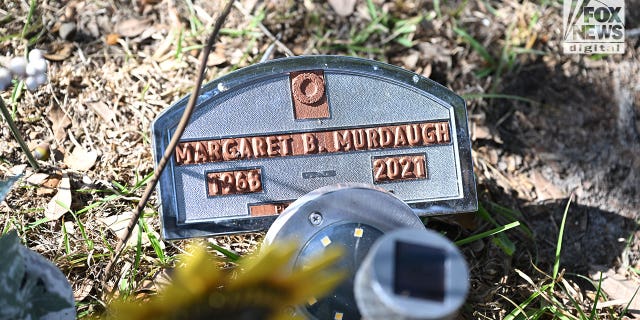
(265, 135)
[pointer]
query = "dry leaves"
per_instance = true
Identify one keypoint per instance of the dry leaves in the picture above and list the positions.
(81, 159)
(37, 178)
(118, 224)
(82, 290)
(59, 123)
(103, 110)
(112, 39)
(621, 291)
(49, 185)
(61, 202)
(132, 27)
(343, 7)
(59, 51)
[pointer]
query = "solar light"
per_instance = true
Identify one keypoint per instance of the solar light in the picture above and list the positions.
(411, 274)
(352, 216)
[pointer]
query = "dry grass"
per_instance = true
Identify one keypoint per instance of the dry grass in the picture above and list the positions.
(109, 87)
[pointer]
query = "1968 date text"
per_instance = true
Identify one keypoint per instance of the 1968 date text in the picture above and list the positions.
(234, 182)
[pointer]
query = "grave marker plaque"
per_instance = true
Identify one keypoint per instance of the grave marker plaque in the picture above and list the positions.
(265, 135)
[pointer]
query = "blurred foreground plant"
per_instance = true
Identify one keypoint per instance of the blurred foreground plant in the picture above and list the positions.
(31, 287)
(33, 73)
(259, 287)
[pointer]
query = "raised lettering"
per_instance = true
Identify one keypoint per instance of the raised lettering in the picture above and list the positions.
(230, 150)
(342, 140)
(407, 167)
(386, 137)
(309, 143)
(379, 170)
(314, 142)
(227, 184)
(359, 139)
(413, 134)
(399, 168)
(429, 134)
(242, 185)
(442, 131)
(419, 165)
(184, 153)
(213, 184)
(259, 147)
(255, 180)
(372, 138)
(200, 154)
(285, 145)
(393, 168)
(272, 146)
(233, 182)
(214, 150)
(401, 138)
(245, 148)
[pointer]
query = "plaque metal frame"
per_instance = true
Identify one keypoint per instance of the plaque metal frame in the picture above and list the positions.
(269, 85)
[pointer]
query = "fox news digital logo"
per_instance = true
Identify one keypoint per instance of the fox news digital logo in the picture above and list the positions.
(593, 27)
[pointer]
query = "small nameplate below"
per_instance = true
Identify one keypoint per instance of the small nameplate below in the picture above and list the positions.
(263, 136)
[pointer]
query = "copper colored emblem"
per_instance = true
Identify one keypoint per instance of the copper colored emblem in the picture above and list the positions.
(309, 95)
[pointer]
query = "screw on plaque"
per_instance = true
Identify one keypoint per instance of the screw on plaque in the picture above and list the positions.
(315, 218)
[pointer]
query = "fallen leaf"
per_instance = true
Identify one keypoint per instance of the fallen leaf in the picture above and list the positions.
(82, 290)
(67, 31)
(112, 39)
(81, 159)
(61, 202)
(171, 64)
(118, 224)
(49, 185)
(59, 51)
(103, 110)
(132, 27)
(37, 179)
(166, 44)
(59, 123)
(481, 132)
(216, 59)
(18, 170)
(617, 287)
(343, 7)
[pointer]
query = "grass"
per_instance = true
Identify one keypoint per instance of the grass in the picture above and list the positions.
(503, 60)
(549, 297)
(488, 233)
(383, 26)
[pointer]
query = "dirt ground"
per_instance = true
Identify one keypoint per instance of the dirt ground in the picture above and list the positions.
(114, 65)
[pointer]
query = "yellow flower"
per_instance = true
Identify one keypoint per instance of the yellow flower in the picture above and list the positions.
(260, 287)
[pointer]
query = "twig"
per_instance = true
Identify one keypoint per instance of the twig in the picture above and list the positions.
(18, 136)
(269, 52)
(186, 116)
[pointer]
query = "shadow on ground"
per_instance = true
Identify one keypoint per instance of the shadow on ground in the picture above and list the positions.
(582, 138)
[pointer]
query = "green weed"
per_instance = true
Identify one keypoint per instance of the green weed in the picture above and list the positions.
(383, 26)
